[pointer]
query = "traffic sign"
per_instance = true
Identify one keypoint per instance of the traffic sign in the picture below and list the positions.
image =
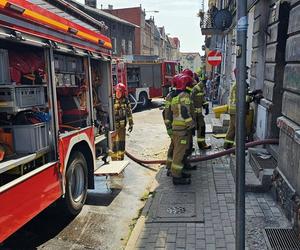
(214, 57)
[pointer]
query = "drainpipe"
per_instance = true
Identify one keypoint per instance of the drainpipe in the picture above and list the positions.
(242, 24)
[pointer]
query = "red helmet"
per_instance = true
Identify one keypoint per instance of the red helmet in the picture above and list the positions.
(121, 87)
(184, 82)
(175, 79)
(188, 72)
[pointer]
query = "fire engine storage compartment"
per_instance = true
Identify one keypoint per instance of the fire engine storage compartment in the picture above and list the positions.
(25, 130)
(144, 76)
(102, 94)
(72, 92)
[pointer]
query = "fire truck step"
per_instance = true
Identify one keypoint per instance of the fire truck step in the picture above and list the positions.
(111, 168)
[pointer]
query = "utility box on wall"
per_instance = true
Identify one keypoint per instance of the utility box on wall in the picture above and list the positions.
(261, 122)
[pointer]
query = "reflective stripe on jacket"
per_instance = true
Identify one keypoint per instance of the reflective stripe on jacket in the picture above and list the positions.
(181, 111)
(232, 100)
(197, 98)
(122, 110)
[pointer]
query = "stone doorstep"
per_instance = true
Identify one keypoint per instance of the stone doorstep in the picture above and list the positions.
(253, 184)
(262, 168)
(273, 150)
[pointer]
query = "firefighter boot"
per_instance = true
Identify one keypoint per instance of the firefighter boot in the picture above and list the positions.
(185, 175)
(168, 172)
(188, 166)
(181, 181)
(204, 146)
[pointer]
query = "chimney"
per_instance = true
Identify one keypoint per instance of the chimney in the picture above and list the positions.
(110, 7)
(91, 3)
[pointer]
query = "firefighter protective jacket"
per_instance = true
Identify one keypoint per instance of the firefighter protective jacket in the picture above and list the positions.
(167, 113)
(181, 111)
(233, 100)
(123, 113)
(198, 99)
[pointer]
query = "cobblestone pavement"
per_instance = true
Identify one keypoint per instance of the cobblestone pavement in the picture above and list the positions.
(214, 185)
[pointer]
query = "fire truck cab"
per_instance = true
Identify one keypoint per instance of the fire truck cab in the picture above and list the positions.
(56, 108)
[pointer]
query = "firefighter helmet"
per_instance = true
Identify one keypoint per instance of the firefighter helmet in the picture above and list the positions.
(175, 80)
(188, 72)
(184, 82)
(120, 89)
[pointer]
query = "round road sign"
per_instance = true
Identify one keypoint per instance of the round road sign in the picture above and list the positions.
(214, 57)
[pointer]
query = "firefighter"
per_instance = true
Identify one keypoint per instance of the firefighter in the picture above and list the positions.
(199, 102)
(123, 115)
(168, 118)
(230, 135)
(190, 73)
(182, 124)
(255, 95)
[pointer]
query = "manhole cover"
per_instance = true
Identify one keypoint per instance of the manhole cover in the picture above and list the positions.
(176, 207)
(282, 239)
(176, 210)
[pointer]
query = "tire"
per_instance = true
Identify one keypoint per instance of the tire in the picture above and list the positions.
(76, 184)
(143, 99)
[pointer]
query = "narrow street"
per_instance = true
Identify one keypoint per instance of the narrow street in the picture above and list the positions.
(111, 209)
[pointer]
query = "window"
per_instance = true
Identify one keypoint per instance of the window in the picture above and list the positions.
(123, 46)
(129, 47)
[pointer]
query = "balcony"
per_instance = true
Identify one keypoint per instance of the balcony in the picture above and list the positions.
(214, 22)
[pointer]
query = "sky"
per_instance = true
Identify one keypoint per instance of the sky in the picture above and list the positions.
(178, 16)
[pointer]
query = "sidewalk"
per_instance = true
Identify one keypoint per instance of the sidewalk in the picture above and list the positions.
(202, 215)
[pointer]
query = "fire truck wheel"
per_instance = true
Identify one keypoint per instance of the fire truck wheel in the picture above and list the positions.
(143, 100)
(76, 183)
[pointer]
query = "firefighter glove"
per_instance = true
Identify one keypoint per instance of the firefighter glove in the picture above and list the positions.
(130, 128)
(170, 132)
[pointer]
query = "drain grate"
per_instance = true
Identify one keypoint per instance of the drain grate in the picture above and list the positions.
(176, 210)
(282, 239)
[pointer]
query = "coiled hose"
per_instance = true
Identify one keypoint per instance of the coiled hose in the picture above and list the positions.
(199, 158)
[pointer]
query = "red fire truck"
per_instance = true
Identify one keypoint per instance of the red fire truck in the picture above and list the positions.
(56, 112)
(148, 77)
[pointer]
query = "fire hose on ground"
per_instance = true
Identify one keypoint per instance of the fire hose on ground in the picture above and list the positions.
(199, 158)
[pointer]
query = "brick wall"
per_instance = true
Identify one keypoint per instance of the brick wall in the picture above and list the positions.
(132, 15)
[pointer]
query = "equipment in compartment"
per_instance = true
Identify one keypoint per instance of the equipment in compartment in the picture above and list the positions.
(4, 67)
(17, 98)
(30, 138)
(69, 70)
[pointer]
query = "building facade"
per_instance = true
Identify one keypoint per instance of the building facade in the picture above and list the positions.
(273, 59)
(191, 61)
(149, 39)
(121, 32)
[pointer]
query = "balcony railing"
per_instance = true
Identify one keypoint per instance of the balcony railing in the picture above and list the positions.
(215, 21)
(207, 24)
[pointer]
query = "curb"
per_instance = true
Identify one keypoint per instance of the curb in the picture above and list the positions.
(142, 219)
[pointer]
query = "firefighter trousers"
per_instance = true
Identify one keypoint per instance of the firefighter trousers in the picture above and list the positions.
(200, 128)
(170, 155)
(181, 145)
(230, 135)
(119, 144)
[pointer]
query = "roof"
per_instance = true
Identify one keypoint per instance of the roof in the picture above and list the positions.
(52, 8)
(102, 13)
